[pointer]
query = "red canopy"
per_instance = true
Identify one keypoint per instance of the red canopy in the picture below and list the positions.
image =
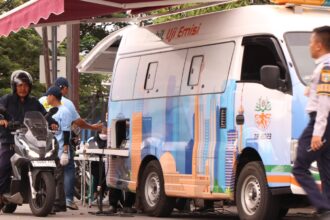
(49, 11)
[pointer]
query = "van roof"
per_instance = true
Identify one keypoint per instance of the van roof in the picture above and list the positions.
(219, 26)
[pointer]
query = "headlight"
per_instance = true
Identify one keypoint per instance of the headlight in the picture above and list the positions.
(50, 153)
(293, 150)
(30, 152)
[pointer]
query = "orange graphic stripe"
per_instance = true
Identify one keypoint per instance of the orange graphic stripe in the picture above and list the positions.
(282, 179)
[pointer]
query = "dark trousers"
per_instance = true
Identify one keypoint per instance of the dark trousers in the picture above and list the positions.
(95, 169)
(320, 200)
(59, 181)
(116, 195)
(6, 152)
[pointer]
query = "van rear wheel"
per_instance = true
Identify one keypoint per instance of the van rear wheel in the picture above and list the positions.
(153, 198)
(253, 197)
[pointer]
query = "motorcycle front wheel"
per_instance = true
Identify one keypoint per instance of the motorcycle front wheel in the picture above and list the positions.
(43, 203)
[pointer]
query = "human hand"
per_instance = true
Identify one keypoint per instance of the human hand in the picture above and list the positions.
(54, 127)
(98, 126)
(316, 143)
(4, 123)
(64, 160)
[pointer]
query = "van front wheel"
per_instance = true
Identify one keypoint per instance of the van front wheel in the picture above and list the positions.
(253, 197)
(153, 198)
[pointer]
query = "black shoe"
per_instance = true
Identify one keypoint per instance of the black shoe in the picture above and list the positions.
(129, 210)
(112, 209)
(324, 215)
(59, 208)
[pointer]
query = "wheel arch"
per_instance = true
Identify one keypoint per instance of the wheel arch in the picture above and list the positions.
(248, 155)
(143, 165)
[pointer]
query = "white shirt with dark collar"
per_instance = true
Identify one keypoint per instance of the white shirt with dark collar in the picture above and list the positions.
(319, 94)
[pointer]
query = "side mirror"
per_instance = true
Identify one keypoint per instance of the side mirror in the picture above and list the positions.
(270, 76)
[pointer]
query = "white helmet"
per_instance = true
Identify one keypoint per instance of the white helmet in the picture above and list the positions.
(18, 77)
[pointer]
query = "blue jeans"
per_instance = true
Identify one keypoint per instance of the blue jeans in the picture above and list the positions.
(69, 181)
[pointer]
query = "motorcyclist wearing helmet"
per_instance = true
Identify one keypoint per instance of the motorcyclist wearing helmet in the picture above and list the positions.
(14, 106)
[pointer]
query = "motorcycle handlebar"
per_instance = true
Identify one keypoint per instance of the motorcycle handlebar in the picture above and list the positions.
(14, 125)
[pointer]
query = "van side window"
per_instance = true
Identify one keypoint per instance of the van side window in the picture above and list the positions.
(256, 56)
(159, 74)
(207, 68)
(195, 70)
(124, 78)
(150, 76)
(264, 63)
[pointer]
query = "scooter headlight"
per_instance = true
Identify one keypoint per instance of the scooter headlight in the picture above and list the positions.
(29, 151)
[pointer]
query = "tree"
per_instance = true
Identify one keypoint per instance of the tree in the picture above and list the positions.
(201, 11)
(25, 56)
(19, 51)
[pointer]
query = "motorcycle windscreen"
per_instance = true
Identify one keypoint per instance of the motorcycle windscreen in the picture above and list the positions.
(37, 124)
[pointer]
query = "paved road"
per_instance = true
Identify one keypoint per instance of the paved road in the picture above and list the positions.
(23, 213)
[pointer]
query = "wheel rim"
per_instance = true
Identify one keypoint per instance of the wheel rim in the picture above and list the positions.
(152, 189)
(41, 195)
(251, 195)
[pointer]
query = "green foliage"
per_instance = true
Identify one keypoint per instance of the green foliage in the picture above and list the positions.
(200, 11)
(6, 5)
(20, 51)
(91, 34)
(93, 95)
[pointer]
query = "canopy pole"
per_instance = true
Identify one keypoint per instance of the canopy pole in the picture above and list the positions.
(72, 56)
(54, 53)
(46, 56)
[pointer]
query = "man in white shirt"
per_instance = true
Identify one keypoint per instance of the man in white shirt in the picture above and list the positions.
(314, 143)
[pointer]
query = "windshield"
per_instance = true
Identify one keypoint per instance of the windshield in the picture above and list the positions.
(298, 44)
(37, 124)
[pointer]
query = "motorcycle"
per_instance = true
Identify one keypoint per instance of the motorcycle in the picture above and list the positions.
(33, 165)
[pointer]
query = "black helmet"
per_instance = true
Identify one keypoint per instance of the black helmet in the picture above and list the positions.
(18, 77)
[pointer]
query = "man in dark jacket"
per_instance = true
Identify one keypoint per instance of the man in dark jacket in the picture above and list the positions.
(13, 108)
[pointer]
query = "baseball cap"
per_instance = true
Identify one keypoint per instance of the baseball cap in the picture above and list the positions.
(55, 91)
(61, 82)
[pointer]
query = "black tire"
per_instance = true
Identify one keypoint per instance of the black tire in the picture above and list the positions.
(9, 208)
(282, 213)
(181, 204)
(44, 201)
(153, 198)
(253, 197)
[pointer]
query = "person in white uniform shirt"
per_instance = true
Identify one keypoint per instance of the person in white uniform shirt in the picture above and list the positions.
(314, 143)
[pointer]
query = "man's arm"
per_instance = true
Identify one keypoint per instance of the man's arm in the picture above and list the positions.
(323, 108)
(83, 124)
(4, 116)
(66, 135)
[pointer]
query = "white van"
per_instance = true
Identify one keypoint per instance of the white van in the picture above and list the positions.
(210, 107)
